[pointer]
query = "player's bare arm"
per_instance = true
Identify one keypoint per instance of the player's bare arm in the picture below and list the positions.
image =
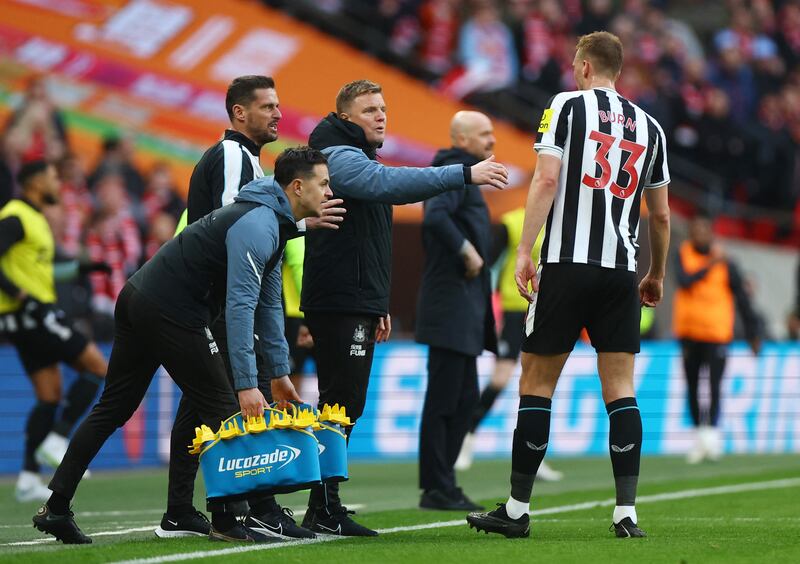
(651, 287)
(540, 199)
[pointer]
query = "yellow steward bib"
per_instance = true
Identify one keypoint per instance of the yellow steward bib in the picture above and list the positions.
(29, 262)
(509, 296)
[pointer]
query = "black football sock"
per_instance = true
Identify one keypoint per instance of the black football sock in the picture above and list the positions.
(530, 444)
(625, 447)
(40, 423)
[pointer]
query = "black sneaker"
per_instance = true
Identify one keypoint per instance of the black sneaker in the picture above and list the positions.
(627, 529)
(189, 525)
(279, 523)
(63, 527)
(335, 521)
(498, 521)
(239, 533)
(454, 500)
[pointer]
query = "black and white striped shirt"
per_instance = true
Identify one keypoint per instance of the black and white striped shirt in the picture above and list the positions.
(222, 171)
(610, 150)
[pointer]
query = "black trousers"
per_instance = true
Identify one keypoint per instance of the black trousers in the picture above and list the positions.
(450, 400)
(696, 355)
(182, 465)
(344, 346)
(144, 340)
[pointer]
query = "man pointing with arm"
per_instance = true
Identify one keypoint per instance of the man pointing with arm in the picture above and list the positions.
(346, 274)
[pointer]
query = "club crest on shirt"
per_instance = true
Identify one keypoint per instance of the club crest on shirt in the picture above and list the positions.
(360, 334)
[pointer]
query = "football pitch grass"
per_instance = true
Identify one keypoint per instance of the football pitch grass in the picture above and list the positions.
(741, 509)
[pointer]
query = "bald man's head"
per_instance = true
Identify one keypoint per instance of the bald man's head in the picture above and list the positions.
(473, 133)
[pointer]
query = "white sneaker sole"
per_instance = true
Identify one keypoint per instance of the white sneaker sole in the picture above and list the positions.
(164, 534)
(269, 533)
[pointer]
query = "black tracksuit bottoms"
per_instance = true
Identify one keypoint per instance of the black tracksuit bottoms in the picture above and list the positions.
(182, 465)
(344, 345)
(450, 400)
(143, 340)
(696, 355)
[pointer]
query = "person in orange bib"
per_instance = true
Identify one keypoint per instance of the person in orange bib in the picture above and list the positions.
(709, 284)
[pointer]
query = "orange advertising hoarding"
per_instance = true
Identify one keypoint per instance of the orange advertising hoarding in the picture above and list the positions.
(161, 68)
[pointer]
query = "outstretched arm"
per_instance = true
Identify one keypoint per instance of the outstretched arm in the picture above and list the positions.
(354, 175)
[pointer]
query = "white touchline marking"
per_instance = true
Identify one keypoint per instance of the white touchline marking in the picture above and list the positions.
(118, 513)
(299, 512)
(99, 534)
(683, 494)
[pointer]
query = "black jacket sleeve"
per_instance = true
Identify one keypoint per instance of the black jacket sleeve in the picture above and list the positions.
(439, 212)
(743, 303)
(11, 232)
(684, 278)
(206, 184)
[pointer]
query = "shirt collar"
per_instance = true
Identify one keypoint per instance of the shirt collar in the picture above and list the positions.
(244, 140)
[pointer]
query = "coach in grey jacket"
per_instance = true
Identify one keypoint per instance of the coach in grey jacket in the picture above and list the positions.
(346, 274)
(162, 318)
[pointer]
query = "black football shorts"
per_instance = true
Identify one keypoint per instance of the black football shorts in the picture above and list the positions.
(44, 340)
(572, 296)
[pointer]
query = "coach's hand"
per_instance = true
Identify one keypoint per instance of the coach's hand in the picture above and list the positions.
(473, 263)
(384, 329)
(304, 338)
(651, 289)
(252, 402)
(524, 273)
(330, 216)
(283, 391)
(489, 173)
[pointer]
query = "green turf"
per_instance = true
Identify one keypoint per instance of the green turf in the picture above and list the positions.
(754, 526)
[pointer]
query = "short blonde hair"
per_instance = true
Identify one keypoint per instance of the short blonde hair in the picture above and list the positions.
(353, 90)
(604, 50)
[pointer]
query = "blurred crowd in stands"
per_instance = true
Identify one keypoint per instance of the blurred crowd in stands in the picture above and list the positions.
(728, 92)
(111, 212)
(726, 89)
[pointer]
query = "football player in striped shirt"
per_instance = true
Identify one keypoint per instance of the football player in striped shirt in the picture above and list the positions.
(598, 155)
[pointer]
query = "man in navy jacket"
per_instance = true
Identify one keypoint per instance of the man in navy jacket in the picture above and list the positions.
(454, 314)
